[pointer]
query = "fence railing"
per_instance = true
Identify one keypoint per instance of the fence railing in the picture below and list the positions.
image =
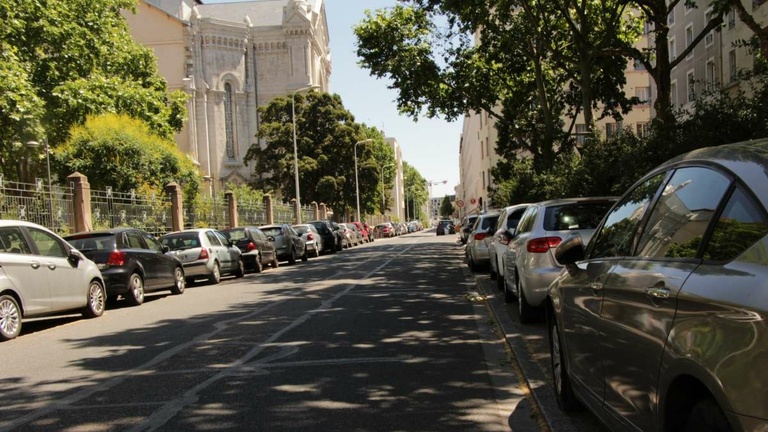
(35, 202)
(209, 213)
(251, 213)
(150, 212)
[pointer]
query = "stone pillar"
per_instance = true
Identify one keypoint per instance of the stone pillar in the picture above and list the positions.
(269, 209)
(81, 201)
(296, 211)
(323, 211)
(315, 210)
(177, 206)
(232, 207)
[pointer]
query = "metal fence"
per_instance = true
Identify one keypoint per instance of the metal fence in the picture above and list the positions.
(282, 213)
(251, 213)
(150, 212)
(35, 202)
(208, 213)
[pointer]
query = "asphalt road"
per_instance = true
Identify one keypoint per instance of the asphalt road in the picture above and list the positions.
(395, 335)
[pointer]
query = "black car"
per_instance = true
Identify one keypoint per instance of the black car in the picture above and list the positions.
(445, 226)
(131, 261)
(258, 251)
(332, 241)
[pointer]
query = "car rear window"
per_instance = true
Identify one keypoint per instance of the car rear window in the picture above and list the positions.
(234, 234)
(272, 231)
(88, 242)
(321, 227)
(301, 229)
(576, 216)
(180, 241)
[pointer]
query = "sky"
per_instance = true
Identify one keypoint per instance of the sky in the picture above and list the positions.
(429, 145)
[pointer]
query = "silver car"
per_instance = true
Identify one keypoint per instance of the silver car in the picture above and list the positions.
(497, 243)
(312, 238)
(477, 248)
(288, 243)
(205, 252)
(529, 261)
(659, 323)
(41, 274)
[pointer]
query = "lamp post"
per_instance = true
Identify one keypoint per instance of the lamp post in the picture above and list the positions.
(383, 200)
(296, 151)
(357, 186)
(35, 144)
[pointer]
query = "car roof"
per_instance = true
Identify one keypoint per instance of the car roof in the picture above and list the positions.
(561, 201)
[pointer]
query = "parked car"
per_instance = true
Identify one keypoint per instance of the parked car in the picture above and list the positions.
(477, 249)
(356, 235)
(465, 227)
(385, 230)
(529, 261)
(343, 234)
(257, 250)
(132, 262)
(42, 275)
(312, 239)
(658, 323)
(445, 226)
(288, 243)
(508, 219)
(204, 252)
(364, 231)
(332, 241)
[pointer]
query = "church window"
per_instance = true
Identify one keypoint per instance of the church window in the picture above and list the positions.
(229, 121)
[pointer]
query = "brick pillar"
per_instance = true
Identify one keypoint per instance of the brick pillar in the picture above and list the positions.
(177, 205)
(323, 211)
(232, 206)
(269, 209)
(81, 202)
(315, 210)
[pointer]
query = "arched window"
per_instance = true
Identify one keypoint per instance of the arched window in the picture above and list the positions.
(229, 121)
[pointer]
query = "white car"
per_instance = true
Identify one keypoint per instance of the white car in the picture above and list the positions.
(41, 274)
(497, 244)
(311, 237)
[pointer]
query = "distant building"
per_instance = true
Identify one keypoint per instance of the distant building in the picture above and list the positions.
(231, 58)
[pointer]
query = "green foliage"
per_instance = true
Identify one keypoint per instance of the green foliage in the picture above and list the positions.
(115, 150)
(416, 192)
(446, 208)
(62, 61)
(326, 138)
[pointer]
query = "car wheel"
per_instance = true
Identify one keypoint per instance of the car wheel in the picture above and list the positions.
(257, 267)
(492, 269)
(135, 294)
(215, 276)
(97, 300)
(305, 256)
(10, 318)
(317, 252)
(566, 400)
(707, 416)
(275, 262)
(179, 283)
(292, 257)
(499, 281)
(240, 270)
(528, 313)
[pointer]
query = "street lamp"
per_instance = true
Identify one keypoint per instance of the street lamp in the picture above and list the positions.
(296, 151)
(35, 144)
(383, 200)
(357, 186)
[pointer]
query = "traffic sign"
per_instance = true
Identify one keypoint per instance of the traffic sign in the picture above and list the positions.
(473, 201)
(459, 203)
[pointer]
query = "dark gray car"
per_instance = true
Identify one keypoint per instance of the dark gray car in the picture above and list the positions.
(659, 323)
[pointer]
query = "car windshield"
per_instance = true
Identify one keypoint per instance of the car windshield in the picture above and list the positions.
(582, 215)
(272, 231)
(234, 234)
(181, 241)
(88, 242)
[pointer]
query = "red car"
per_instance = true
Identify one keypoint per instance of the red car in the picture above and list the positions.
(364, 229)
(385, 230)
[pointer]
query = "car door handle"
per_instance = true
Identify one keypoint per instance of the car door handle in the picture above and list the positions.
(51, 266)
(658, 293)
(596, 286)
(35, 265)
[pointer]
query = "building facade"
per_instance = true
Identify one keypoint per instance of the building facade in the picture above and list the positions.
(231, 58)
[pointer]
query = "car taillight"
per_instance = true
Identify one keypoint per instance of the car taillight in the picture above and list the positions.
(543, 244)
(249, 248)
(116, 258)
(480, 236)
(310, 236)
(203, 254)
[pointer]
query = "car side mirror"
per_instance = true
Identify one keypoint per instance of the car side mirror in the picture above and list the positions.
(570, 250)
(509, 234)
(165, 249)
(74, 257)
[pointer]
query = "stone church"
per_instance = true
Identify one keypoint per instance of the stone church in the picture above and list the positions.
(231, 58)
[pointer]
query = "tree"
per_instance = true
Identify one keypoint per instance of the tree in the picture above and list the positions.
(326, 134)
(121, 152)
(65, 60)
(416, 193)
(446, 208)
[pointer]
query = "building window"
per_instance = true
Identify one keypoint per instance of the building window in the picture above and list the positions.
(638, 65)
(581, 133)
(711, 72)
(671, 17)
(488, 146)
(691, 80)
(732, 66)
(673, 93)
(642, 129)
(672, 49)
(731, 19)
(229, 121)
(689, 40)
(709, 39)
(611, 129)
(643, 94)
